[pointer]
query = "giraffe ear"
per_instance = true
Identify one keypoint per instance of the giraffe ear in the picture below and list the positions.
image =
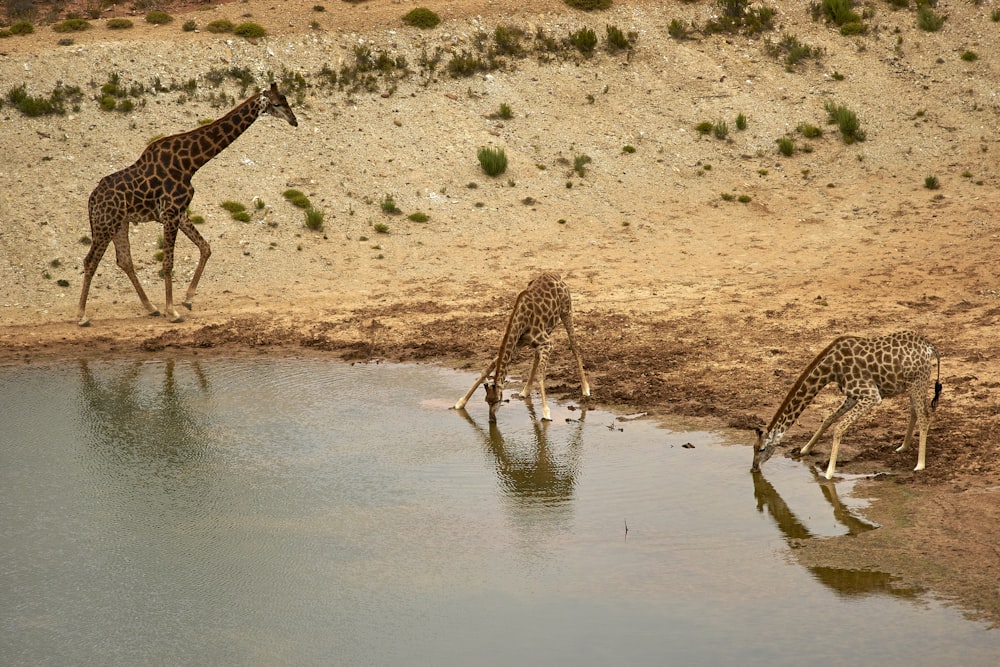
(274, 87)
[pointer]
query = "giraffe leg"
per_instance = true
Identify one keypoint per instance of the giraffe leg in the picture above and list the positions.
(460, 405)
(909, 427)
(526, 390)
(123, 255)
(542, 362)
(924, 418)
(170, 226)
(567, 318)
(837, 414)
(864, 404)
(205, 251)
(90, 263)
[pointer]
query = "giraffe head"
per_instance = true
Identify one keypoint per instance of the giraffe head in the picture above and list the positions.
(766, 442)
(494, 396)
(274, 103)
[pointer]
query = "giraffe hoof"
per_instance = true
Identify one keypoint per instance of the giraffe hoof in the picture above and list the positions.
(187, 304)
(84, 322)
(154, 313)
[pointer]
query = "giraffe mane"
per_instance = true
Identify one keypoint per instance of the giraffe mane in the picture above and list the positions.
(801, 379)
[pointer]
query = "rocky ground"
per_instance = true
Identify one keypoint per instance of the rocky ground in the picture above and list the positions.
(688, 302)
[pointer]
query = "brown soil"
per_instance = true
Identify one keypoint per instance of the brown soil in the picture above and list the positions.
(686, 304)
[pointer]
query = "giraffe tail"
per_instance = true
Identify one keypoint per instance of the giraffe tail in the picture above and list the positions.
(937, 383)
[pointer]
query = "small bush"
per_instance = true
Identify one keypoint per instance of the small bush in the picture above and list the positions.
(21, 28)
(628, 149)
(157, 17)
(250, 30)
(241, 216)
(928, 20)
(616, 39)
(786, 146)
(421, 17)
(741, 122)
(314, 219)
(233, 206)
(297, 198)
(418, 216)
(678, 30)
(492, 160)
(583, 40)
(580, 163)
(505, 111)
(54, 104)
(810, 131)
(219, 26)
(970, 56)
(189, 26)
(704, 127)
(118, 24)
(720, 129)
(72, 25)
(932, 183)
(588, 5)
(381, 228)
(388, 205)
(846, 120)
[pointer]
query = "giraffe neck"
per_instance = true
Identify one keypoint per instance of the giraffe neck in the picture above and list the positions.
(508, 345)
(193, 149)
(817, 375)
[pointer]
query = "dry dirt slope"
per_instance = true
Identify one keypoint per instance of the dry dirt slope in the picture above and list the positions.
(688, 304)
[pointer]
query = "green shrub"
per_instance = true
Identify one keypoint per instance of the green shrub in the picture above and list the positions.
(233, 206)
(678, 30)
(932, 183)
(616, 39)
(388, 205)
(786, 146)
(928, 20)
(720, 129)
(421, 17)
(314, 219)
(220, 26)
(588, 5)
(72, 25)
(704, 127)
(418, 216)
(810, 131)
(970, 56)
(583, 40)
(297, 198)
(157, 17)
(241, 216)
(21, 28)
(492, 160)
(250, 30)
(189, 26)
(118, 24)
(505, 111)
(846, 120)
(54, 104)
(580, 163)
(741, 122)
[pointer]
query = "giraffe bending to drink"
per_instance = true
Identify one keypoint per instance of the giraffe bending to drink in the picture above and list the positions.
(536, 312)
(158, 187)
(866, 370)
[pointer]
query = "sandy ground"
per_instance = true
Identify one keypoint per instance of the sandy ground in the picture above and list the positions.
(686, 304)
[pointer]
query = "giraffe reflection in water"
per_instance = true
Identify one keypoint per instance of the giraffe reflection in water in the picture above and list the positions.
(533, 472)
(844, 582)
(121, 413)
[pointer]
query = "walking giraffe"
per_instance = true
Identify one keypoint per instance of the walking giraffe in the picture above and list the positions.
(866, 370)
(158, 187)
(536, 312)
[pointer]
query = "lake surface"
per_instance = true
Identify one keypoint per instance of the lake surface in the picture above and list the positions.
(309, 512)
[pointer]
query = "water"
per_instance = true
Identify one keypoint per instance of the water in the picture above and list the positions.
(263, 511)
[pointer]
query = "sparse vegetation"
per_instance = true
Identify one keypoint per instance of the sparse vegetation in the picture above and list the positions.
(118, 24)
(786, 146)
(421, 17)
(846, 120)
(388, 205)
(296, 198)
(54, 104)
(588, 5)
(580, 163)
(418, 216)
(314, 219)
(219, 26)
(616, 39)
(704, 127)
(492, 160)
(72, 25)
(158, 17)
(970, 56)
(809, 131)
(583, 40)
(928, 20)
(250, 30)
(932, 182)
(720, 129)
(678, 30)
(741, 122)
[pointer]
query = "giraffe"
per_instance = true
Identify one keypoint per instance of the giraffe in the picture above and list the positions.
(158, 187)
(536, 312)
(866, 370)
